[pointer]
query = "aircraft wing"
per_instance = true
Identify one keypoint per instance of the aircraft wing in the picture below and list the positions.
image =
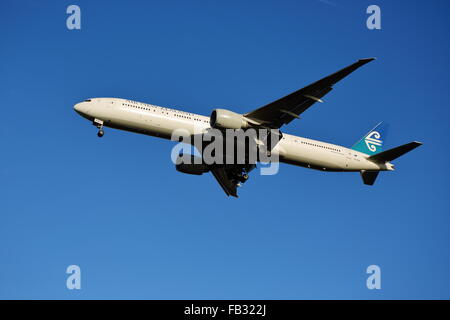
(226, 176)
(288, 108)
(228, 185)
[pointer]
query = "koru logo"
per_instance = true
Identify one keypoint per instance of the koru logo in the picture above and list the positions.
(373, 140)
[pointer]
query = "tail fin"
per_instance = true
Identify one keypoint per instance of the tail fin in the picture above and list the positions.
(372, 142)
(394, 153)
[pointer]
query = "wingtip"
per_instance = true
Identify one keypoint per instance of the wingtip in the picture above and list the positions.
(367, 59)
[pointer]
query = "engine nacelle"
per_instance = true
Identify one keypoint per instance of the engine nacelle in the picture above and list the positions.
(225, 119)
(191, 164)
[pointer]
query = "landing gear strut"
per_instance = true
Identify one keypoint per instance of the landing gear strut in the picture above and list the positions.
(99, 125)
(239, 175)
(242, 177)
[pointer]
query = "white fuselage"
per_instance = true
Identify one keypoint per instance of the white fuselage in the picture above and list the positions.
(162, 122)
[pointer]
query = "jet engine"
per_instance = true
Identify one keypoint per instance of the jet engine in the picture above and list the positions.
(225, 119)
(191, 164)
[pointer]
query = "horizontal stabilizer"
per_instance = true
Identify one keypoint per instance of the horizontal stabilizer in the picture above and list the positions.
(394, 153)
(369, 177)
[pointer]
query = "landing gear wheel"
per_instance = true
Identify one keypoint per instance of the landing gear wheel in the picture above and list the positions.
(243, 178)
(100, 133)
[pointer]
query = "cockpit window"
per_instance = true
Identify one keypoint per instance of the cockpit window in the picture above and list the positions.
(87, 100)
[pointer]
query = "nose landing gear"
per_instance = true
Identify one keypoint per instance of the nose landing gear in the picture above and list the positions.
(99, 124)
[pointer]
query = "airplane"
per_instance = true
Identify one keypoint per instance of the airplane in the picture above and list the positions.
(365, 156)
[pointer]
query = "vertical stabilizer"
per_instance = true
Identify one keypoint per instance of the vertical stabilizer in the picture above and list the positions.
(372, 142)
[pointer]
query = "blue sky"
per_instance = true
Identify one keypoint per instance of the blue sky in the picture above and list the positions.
(139, 229)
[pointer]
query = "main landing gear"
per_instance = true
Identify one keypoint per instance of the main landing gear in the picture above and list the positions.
(99, 124)
(240, 175)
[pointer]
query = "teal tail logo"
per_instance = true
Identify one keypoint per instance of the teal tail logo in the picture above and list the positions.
(372, 142)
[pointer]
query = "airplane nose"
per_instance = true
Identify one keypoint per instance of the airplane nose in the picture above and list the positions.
(77, 107)
(81, 108)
